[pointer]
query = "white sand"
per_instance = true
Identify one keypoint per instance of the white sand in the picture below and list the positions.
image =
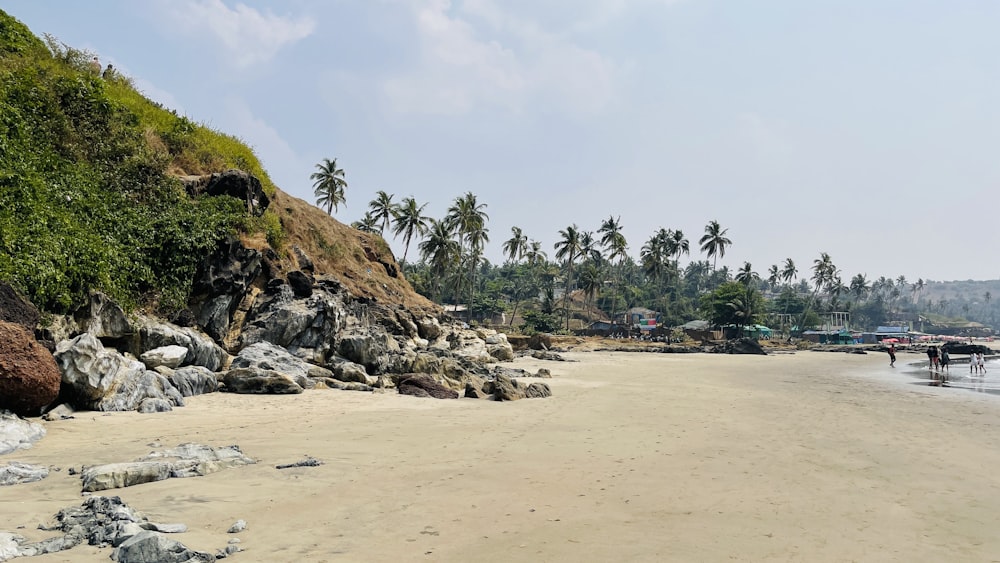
(637, 457)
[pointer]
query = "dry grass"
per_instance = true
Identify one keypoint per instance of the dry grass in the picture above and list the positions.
(353, 257)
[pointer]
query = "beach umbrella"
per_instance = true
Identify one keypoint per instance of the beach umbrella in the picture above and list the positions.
(890, 340)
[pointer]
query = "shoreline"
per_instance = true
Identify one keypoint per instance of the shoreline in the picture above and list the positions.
(641, 457)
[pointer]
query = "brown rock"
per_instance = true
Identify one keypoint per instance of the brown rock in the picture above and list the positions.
(421, 385)
(29, 377)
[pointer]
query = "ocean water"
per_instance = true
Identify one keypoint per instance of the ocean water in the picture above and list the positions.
(957, 376)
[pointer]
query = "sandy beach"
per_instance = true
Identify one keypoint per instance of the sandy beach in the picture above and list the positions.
(637, 457)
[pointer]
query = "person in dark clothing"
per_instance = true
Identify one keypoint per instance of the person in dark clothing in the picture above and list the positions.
(892, 355)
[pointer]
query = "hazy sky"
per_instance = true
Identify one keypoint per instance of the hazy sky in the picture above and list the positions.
(867, 129)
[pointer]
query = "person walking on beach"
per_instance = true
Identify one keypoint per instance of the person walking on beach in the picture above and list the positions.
(973, 367)
(945, 360)
(932, 353)
(892, 355)
(980, 363)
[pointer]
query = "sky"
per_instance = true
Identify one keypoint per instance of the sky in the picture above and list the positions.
(866, 129)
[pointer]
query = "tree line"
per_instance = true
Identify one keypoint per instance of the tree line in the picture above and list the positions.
(591, 275)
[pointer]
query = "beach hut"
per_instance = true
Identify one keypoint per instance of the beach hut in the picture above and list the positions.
(757, 332)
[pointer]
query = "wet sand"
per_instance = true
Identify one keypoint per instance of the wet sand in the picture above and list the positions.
(637, 457)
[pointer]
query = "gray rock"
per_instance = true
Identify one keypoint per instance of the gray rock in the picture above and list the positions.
(151, 405)
(543, 373)
(60, 412)
(370, 350)
(104, 380)
(193, 380)
(152, 547)
(238, 527)
(186, 460)
(305, 327)
(201, 350)
(255, 381)
(17, 433)
(268, 356)
(16, 473)
(10, 545)
(429, 328)
(103, 318)
(309, 461)
(165, 528)
(473, 391)
(169, 356)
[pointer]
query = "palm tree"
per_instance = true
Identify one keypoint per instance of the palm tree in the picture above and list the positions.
(747, 276)
(440, 250)
(680, 245)
(382, 208)
(368, 224)
(515, 247)
(568, 248)
(329, 185)
(773, 275)
(859, 286)
(714, 242)
(614, 242)
(408, 220)
(823, 272)
(535, 258)
(590, 282)
(654, 257)
(468, 218)
(789, 272)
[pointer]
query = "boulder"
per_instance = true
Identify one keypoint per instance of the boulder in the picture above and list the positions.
(422, 385)
(371, 350)
(154, 547)
(961, 348)
(348, 371)
(428, 328)
(504, 388)
(186, 460)
(29, 376)
(17, 433)
(193, 380)
(99, 379)
(103, 318)
(256, 381)
(201, 350)
(168, 356)
(267, 356)
(303, 260)
(16, 309)
(537, 391)
(16, 473)
(465, 343)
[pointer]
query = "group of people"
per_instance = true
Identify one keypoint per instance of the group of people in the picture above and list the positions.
(940, 359)
(95, 69)
(977, 364)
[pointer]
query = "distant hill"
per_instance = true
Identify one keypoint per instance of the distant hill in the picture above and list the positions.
(972, 300)
(91, 196)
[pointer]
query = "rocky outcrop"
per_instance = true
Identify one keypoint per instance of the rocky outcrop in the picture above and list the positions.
(267, 356)
(96, 378)
(234, 183)
(16, 309)
(222, 283)
(504, 388)
(201, 350)
(103, 318)
(17, 433)
(29, 377)
(16, 473)
(186, 460)
(106, 521)
(422, 385)
(739, 346)
(255, 381)
(306, 327)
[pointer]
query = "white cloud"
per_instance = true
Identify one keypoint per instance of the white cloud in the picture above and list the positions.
(478, 54)
(275, 153)
(248, 36)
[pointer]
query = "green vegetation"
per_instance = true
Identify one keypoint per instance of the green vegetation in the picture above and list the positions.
(87, 177)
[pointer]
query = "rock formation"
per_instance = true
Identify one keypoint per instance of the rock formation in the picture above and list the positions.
(29, 377)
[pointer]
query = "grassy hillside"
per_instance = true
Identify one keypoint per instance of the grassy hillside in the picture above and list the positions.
(89, 197)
